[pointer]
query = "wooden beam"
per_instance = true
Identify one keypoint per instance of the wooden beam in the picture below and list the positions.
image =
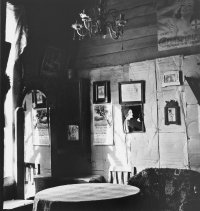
(121, 4)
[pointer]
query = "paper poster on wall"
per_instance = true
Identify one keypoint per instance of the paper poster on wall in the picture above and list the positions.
(178, 23)
(102, 124)
(40, 127)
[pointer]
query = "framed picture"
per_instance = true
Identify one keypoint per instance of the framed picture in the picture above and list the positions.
(53, 61)
(172, 113)
(40, 119)
(102, 124)
(172, 78)
(101, 92)
(73, 132)
(132, 118)
(132, 92)
(38, 99)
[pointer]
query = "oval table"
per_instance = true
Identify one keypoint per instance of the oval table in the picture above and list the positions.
(86, 197)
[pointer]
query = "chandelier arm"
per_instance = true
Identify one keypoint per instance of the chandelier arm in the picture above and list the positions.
(84, 23)
(112, 33)
(81, 34)
(110, 26)
(87, 24)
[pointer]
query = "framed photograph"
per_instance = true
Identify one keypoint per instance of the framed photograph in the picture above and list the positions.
(73, 132)
(172, 113)
(132, 92)
(132, 118)
(172, 78)
(38, 99)
(101, 92)
(53, 61)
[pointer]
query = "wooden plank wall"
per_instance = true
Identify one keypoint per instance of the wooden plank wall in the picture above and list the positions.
(139, 41)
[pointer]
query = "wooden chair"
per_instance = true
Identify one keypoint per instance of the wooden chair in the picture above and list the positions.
(119, 175)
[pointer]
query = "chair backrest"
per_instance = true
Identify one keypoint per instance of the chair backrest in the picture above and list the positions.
(119, 175)
(29, 172)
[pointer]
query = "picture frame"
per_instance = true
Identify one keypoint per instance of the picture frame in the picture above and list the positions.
(172, 78)
(103, 124)
(73, 132)
(133, 118)
(101, 92)
(53, 61)
(172, 113)
(132, 92)
(38, 99)
(40, 117)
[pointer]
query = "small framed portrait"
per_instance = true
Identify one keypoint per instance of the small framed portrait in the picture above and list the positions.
(101, 92)
(172, 78)
(132, 118)
(73, 132)
(172, 113)
(38, 99)
(132, 92)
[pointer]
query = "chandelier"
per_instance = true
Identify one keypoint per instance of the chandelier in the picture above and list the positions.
(100, 22)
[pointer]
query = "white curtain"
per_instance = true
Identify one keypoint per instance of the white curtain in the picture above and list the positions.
(16, 34)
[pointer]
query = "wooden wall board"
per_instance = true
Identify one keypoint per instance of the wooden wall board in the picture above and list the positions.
(192, 111)
(194, 152)
(126, 57)
(192, 121)
(194, 160)
(192, 128)
(173, 150)
(145, 150)
(115, 47)
(191, 67)
(127, 3)
(119, 58)
(133, 12)
(189, 95)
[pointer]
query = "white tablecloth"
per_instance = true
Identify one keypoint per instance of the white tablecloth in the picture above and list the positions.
(87, 196)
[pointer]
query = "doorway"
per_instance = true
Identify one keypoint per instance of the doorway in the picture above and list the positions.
(37, 144)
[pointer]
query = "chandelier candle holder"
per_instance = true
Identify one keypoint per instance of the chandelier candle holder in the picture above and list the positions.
(100, 22)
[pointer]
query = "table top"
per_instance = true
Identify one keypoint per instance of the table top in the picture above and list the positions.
(86, 197)
(86, 192)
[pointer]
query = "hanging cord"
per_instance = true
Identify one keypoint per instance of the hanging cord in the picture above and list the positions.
(122, 40)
